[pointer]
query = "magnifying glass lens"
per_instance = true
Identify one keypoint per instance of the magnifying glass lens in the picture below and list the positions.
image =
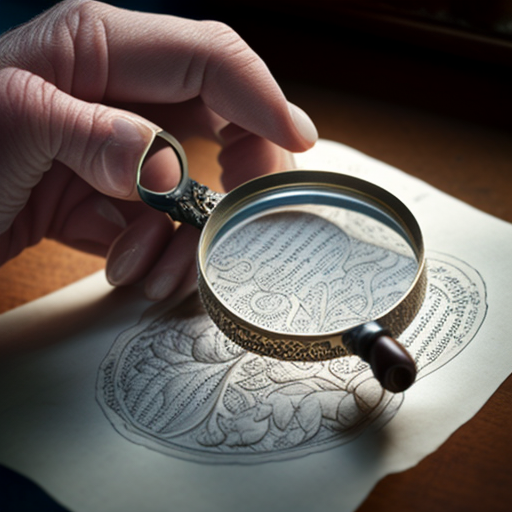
(310, 269)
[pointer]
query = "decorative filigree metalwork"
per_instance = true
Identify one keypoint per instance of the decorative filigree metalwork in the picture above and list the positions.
(195, 205)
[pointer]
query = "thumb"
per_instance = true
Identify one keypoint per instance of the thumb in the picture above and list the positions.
(39, 124)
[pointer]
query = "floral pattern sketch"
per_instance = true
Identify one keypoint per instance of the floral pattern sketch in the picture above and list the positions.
(174, 383)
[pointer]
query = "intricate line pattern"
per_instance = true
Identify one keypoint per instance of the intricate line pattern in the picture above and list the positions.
(301, 272)
(177, 385)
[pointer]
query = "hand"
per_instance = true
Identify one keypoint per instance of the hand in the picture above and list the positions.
(78, 86)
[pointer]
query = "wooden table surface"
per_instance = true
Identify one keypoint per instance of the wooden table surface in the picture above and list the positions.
(470, 160)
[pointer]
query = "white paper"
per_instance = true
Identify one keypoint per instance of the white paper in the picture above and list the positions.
(70, 419)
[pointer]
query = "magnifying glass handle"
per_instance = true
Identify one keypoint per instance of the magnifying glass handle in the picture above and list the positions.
(390, 362)
(189, 202)
(193, 206)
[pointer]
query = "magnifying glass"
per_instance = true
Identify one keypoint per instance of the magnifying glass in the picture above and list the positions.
(305, 265)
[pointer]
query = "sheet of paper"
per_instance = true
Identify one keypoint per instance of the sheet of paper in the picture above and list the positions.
(131, 406)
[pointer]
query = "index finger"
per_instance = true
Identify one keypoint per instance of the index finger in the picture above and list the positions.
(102, 53)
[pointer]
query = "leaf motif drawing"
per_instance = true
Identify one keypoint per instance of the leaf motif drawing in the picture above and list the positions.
(255, 382)
(282, 410)
(253, 365)
(234, 400)
(243, 429)
(309, 415)
(329, 403)
(218, 351)
(178, 385)
(211, 437)
(283, 372)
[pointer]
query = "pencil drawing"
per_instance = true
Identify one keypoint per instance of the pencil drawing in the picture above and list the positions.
(298, 271)
(175, 384)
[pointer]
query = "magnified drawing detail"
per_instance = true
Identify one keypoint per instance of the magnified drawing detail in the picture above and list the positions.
(176, 384)
(299, 272)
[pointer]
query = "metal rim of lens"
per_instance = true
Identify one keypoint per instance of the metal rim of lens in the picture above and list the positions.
(311, 346)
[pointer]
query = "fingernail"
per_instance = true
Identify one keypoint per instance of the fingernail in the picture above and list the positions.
(303, 123)
(160, 288)
(110, 213)
(119, 271)
(122, 153)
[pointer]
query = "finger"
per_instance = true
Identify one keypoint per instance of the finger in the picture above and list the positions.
(184, 120)
(40, 123)
(92, 225)
(186, 286)
(245, 156)
(98, 52)
(136, 250)
(173, 266)
(48, 207)
(65, 208)
(185, 59)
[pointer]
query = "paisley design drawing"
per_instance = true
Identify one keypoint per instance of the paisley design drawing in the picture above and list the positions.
(174, 383)
(302, 272)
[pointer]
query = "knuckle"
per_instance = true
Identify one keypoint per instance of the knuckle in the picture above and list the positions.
(226, 48)
(68, 11)
(18, 88)
(27, 103)
(52, 44)
(222, 38)
(76, 41)
(218, 28)
(76, 13)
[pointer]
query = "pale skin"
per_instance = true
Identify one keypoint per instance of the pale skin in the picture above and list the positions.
(83, 88)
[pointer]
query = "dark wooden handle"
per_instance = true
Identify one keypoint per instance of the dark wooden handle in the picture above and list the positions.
(392, 365)
(390, 362)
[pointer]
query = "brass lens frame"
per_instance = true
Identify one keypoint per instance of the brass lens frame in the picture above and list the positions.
(294, 188)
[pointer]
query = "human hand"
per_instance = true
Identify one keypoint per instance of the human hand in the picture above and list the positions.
(78, 86)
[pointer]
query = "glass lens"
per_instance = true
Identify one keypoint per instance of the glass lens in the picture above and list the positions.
(310, 269)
